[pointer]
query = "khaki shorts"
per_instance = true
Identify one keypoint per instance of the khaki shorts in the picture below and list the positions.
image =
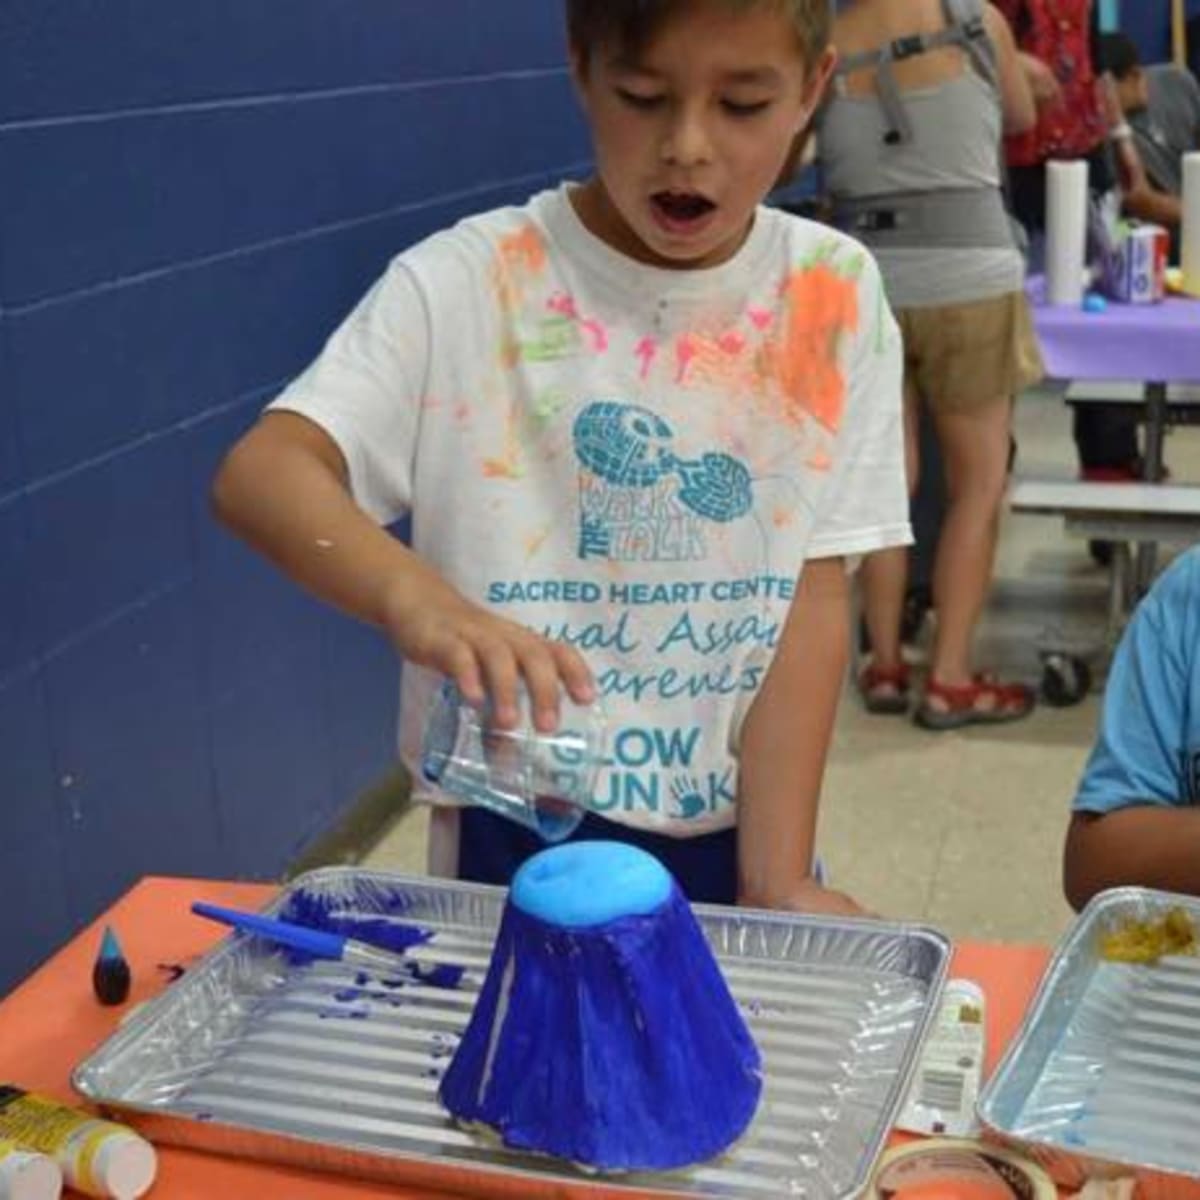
(962, 357)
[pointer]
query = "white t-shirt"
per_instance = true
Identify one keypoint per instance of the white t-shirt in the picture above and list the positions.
(635, 459)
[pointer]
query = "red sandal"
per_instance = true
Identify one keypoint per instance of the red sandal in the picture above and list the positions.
(983, 701)
(884, 690)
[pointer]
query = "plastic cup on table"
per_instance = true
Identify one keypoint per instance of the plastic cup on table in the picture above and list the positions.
(544, 781)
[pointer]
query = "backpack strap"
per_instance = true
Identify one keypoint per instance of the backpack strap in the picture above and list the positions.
(967, 16)
(964, 28)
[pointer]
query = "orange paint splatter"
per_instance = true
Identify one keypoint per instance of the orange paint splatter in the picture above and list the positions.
(719, 361)
(819, 460)
(534, 544)
(507, 465)
(520, 258)
(524, 251)
(510, 353)
(821, 305)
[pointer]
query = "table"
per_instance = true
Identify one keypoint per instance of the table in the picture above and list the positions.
(1150, 344)
(52, 1021)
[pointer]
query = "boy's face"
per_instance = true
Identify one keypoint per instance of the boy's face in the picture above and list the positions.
(692, 134)
(1133, 91)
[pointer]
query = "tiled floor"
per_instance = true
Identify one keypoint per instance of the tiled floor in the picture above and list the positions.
(963, 830)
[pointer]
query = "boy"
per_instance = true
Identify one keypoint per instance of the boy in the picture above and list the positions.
(624, 417)
(1162, 106)
(1136, 819)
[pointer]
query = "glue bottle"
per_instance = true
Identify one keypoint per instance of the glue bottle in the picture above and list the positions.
(25, 1175)
(98, 1158)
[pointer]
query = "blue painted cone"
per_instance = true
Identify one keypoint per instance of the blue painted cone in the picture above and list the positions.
(604, 1032)
(110, 975)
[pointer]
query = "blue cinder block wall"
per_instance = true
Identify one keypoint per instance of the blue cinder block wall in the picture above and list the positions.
(1148, 22)
(192, 196)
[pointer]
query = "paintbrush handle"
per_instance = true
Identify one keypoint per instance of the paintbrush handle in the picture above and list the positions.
(316, 942)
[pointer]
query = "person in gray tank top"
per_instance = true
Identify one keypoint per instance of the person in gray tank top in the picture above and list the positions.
(909, 143)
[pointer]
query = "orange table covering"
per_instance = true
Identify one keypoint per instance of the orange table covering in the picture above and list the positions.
(52, 1021)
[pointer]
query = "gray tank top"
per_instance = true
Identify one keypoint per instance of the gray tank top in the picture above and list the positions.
(953, 148)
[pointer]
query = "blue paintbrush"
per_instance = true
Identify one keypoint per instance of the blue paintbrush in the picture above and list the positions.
(317, 942)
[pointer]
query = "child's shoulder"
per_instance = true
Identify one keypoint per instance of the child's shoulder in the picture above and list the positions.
(477, 240)
(1177, 589)
(808, 241)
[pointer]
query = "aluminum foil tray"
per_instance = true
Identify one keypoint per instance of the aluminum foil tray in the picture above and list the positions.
(322, 1066)
(1103, 1077)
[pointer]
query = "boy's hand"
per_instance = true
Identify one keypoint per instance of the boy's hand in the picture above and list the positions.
(809, 896)
(488, 656)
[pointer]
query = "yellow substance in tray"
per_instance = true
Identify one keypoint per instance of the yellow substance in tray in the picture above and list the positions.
(1149, 940)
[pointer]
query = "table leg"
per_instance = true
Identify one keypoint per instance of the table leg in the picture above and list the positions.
(1119, 600)
(1152, 470)
(1155, 395)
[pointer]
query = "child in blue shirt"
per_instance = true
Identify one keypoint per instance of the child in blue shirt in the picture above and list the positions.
(1136, 820)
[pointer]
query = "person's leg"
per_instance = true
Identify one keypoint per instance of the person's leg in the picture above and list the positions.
(884, 576)
(975, 446)
(983, 344)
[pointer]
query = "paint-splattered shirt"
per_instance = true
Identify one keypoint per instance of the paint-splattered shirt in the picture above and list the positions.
(633, 459)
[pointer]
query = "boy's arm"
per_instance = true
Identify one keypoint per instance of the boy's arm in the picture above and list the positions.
(1146, 202)
(1133, 824)
(283, 488)
(784, 742)
(1145, 846)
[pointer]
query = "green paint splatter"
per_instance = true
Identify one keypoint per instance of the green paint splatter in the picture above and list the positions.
(556, 338)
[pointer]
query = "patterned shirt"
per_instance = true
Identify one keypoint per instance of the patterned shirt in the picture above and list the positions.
(1059, 33)
(634, 460)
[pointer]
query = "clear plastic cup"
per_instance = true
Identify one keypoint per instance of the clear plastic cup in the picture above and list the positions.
(543, 781)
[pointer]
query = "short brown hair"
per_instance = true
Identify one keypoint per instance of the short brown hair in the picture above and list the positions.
(629, 24)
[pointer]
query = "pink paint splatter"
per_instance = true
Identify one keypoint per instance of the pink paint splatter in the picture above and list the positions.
(597, 333)
(732, 342)
(760, 318)
(646, 351)
(565, 306)
(685, 351)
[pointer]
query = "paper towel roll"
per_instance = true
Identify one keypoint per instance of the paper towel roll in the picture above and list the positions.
(1191, 223)
(1066, 230)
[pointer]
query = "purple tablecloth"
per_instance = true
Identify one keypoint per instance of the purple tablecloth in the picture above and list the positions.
(1147, 342)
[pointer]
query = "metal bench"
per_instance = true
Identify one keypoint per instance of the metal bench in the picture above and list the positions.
(1183, 399)
(1122, 513)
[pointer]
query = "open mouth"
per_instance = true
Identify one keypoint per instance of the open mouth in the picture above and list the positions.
(682, 208)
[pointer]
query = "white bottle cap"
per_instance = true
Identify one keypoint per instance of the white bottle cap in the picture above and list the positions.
(125, 1165)
(29, 1177)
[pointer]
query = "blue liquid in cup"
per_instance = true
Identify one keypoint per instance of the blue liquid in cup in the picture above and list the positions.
(541, 781)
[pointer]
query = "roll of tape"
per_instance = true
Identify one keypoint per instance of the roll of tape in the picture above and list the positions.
(958, 1169)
